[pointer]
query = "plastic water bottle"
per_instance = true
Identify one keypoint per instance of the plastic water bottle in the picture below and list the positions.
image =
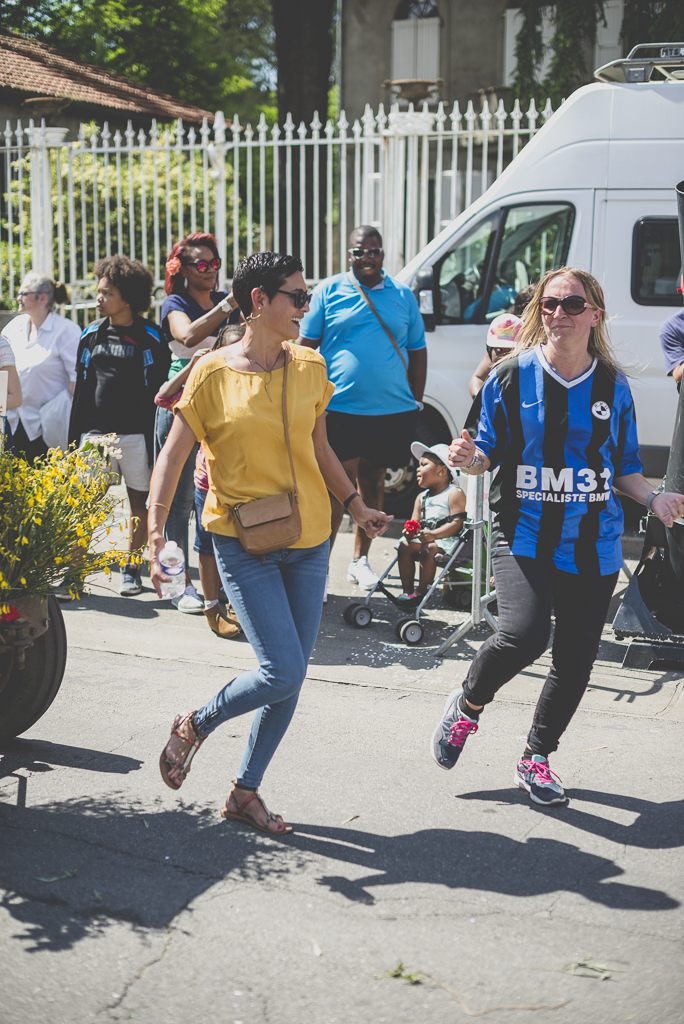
(172, 563)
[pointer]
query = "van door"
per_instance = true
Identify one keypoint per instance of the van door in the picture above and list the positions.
(637, 259)
(478, 275)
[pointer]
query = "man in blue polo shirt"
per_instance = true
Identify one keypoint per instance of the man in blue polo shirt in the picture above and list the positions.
(377, 361)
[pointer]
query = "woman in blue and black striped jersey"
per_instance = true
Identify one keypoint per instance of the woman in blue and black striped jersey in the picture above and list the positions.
(558, 426)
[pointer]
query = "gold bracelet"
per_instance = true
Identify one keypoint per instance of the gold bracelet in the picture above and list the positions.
(160, 504)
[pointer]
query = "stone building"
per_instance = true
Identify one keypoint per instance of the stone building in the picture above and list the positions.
(441, 49)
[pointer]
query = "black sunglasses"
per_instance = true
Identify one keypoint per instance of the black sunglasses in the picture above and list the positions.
(573, 305)
(300, 297)
(358, 253)
(204, 265)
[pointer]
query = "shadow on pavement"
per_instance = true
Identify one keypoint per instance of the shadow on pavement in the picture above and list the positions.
(127, 862)
(42, 756)
(657, 827)
(70, 870)
(485, 861)
(128, 607)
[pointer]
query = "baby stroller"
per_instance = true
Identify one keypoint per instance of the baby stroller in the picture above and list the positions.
(455, 576)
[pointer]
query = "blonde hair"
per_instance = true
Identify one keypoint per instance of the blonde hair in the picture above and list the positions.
(532, 331)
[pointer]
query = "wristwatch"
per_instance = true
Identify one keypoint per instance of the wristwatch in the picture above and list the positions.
(651, 498)
(225, 305)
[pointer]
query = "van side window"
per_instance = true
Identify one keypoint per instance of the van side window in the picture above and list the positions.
(535, 238)
(656, 262)
(462, 275)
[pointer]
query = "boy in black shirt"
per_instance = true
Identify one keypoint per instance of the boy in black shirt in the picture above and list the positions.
(121, 364)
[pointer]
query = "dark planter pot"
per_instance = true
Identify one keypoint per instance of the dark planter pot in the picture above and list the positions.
(32, 663)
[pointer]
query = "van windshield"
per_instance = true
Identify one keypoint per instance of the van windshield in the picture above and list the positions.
(535, 238)
(463, 274)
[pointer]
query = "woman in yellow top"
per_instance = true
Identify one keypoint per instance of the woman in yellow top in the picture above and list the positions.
(232, 402)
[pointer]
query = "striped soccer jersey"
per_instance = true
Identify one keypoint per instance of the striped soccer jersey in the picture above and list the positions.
(557, 446)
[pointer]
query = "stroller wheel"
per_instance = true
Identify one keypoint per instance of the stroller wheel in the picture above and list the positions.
(411, 632)
(465, 597)
(347, 613)
(361, 616)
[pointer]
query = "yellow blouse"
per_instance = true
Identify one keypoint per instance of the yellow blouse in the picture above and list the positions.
(238, 417)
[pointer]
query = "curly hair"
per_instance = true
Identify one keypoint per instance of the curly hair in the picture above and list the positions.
(133, 280)
(174, 284)
(265, 270)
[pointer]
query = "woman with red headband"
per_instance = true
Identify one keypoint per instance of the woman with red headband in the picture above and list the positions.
(192, 314)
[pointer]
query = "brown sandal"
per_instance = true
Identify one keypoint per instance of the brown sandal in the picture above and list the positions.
(247, 819)
(183, 727)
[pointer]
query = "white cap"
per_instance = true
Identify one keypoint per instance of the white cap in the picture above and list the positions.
(503, 331)
(440, 451)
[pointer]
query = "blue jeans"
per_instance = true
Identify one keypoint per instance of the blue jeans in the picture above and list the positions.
(184, 499)
(279, 603)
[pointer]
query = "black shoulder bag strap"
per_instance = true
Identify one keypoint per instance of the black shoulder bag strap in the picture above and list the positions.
(364, 294)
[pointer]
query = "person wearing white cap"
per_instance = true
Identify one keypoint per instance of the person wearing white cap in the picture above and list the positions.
(440, 510)
(501, 336)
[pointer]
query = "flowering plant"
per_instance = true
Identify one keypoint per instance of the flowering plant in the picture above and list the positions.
(411, 528)
(174, 265)
(50, 514)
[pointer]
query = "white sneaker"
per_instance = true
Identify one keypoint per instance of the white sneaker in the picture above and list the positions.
(189, 601)
(325, 592)
(360, 572)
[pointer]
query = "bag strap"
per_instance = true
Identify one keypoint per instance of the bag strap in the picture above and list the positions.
(288, 356)
(364, 294)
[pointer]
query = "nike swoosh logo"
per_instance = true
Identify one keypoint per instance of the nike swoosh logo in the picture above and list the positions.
(528, 405)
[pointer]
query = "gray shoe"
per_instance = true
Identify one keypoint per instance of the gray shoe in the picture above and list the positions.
(451, 733)
(541, 783)
(130, 581)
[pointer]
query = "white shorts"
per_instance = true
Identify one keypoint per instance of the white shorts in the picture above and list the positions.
(134, 464)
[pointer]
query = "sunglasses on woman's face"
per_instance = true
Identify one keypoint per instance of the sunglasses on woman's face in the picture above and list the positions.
(298, 296)
(573, 305)
(204, 265)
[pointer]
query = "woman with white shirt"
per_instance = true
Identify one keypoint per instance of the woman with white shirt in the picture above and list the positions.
(8, 362)
(44, 346)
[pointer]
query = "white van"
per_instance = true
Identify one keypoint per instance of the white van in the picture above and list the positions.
(595, 188)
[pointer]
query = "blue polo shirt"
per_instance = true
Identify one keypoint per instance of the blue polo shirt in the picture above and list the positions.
(369, 376)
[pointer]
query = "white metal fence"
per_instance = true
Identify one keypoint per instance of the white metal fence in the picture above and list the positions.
(298, 189)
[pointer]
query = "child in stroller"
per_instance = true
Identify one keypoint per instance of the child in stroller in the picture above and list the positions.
(438, 516)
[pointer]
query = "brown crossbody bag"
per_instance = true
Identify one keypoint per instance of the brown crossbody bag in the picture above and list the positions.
(269, 524)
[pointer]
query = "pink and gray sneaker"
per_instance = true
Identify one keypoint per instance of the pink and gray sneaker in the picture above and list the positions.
(452, 731)
(536, 777)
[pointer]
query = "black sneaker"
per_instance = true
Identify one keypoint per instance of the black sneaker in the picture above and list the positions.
(451, 733)
(130, 581)
(537, 778)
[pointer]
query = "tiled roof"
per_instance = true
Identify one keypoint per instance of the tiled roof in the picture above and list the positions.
(32, 67)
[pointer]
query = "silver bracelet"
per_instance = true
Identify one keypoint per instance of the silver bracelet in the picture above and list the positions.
(651, 498)
(477, 460)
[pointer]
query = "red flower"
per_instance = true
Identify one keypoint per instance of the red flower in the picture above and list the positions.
(174, 265)
(412, 527)
(11, 614)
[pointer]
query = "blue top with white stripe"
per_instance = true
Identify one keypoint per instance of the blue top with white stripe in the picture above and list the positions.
(557, 446)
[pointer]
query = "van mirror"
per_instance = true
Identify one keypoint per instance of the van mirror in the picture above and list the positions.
(424, 290)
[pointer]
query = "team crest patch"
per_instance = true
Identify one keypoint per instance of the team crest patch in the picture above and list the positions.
(600, 410)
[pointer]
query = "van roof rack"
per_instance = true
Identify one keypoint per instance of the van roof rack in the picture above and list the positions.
(642, 61)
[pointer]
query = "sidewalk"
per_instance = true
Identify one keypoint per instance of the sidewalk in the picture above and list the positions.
(139, 903)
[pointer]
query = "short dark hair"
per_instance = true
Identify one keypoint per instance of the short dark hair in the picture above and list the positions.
(366, 231)
(265, 270)
(133, 280)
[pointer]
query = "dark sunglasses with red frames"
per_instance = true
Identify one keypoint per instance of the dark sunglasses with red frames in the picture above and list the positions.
(573, 305)
(298, 296)
(204, 265)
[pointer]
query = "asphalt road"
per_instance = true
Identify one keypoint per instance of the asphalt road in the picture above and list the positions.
(123, 900)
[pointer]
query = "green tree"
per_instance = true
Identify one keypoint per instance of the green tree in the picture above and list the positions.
(575, 32)
(217, 54)
(648, 21)
(529, 52)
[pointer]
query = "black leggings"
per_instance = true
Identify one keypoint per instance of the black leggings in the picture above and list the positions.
(527, 589)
